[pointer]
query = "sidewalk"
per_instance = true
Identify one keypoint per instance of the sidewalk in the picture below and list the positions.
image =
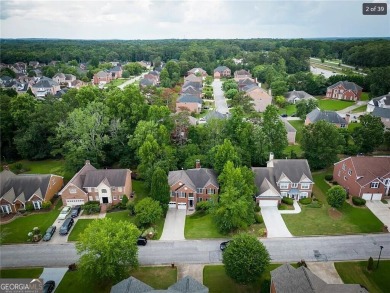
(297, 209)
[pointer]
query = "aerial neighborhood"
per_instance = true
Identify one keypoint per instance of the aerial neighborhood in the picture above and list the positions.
(196, 166)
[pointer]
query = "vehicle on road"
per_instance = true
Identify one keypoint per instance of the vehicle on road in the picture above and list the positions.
(284, 115)
(64, 213)
(66, 226)
(223, 245)
(142, 241)
(49, 233)
(75, 211)
(49, 286)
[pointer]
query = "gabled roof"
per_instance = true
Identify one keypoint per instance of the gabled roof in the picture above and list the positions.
(347, 85)
(241, 72)
(291, 96)
(216, 115)
(385, 99)
(369, 168)
(147, 82)
(188, 285)
(264, 179)
(329, 116)
(102, 74)
(191, 90)
(59, 75)
(193, 77)
(78, 179)
(193, 178)
(189, 99)
(111, 177)
(45, 82)
(287, 279)
(116, 69)
(292, 168)
(221, 68)
(131, 285)
(246, 81)
(288, 126)
(194, 84)
(381, 112)
(197, 70)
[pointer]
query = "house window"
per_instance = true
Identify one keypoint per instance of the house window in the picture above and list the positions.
(104, 190)
(173, 194)
(120, 189)
(191, 195)
(182, 194)
(89, 189)
(90, 197)
(72, 190)
(349, 172)
(113, 188)
(211, 191)
(338, 174)
(387, 182)
(305, 186)
(345, 178)
(283, 185)
(374, 184)
(303, 194)
(199, 190)
(343, 167)
(284, 194)
(199, 199)
(114, 197)
(294, 185)
(37, 205)
(120, 197)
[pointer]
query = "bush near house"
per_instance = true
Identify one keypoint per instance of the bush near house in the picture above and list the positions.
(329, 177)
(287, 200)
(259, 219)
(305, 201)
(358, 201)
(203, 206)
(91, 207)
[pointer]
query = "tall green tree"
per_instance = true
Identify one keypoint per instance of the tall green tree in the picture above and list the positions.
(108, 249)
(274, 131)
(148, 211)
(321, 142)
(370, 134)
(223, 153)
(336, 196)
(304, 107)
(279, 87)
(245, 259)
(159, 189)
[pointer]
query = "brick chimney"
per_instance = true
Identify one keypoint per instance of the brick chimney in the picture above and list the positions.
(270, 163)
(87, 162)
(197, 164)
(347, 118)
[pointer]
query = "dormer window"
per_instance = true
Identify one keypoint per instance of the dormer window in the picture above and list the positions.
(104, 190)
(283, 185)
(294, 185)
(374, 184)
(305, 185)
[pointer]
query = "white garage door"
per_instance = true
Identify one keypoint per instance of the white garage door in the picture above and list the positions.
(74, 202)
(172, 205)
(182, 206)
(376, 196)
(268, 203)
(367, 196)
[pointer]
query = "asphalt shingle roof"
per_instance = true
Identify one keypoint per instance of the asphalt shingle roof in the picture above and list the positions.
(329, 116)
(221, 68)
(369, 168)
(131, 285)
(290, 96)
(381, 112)
(189, 99)
(45, 82)
(194, 178)
(347, 85)
(112, 177)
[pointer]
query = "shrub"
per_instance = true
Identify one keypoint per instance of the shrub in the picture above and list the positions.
(18, 166)
(288, 201)
(259, 219)
(384, 201)
(370, 264)
(202, 206)
(46, 205)
(125, 200)
(358, 201)
(29, 206)
(91, 207)
(305, 201)
(336, 196)
(131, 207)
(257, 208)
(72, 267)
(329, 177)
(335, 183)
(315, 204)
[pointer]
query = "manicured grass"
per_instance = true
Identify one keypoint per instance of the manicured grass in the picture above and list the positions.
(199, 226)
(357, 273)
(364, 97)
(289, 109)
(156, 277)
(215, 278)
(360, 109)
(120, 216)
(78, 229)
(298, 125)
(117, 82)
(140, 190)
(352, 126)
(326, 220)
(295, 148)
(17, 230)
(334, 105)
(75, 282)
(21, 273)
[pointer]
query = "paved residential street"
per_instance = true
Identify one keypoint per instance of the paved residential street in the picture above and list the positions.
(330, 248)
(219, 98)
(130, 81)
(274, 223)
(174, 225)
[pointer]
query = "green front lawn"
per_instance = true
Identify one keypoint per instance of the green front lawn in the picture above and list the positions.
(334, 105)
(352, 126)
(139, 189)
(78, 229)
(298, 125)
(17, 230)
(360, 109)
(199, 226)
(75, 282)
(156, 277)
(117, 82)
(364, 97)
(21, 273)
(296, 148)
(329, 221)
(215, 278)
(289, 109)
(356, 273)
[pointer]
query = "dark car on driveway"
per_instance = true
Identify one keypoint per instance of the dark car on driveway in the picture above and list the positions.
(223, 245)
(66, 226)
(49, 286)
(142, 241)
(75, 211)
(49, 233)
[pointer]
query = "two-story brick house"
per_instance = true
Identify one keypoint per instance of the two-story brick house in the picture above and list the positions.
(90, 184)
(282, 178)
(191, 186)
(344, 90)
(366, 177)
(222, 71)
(18, 190)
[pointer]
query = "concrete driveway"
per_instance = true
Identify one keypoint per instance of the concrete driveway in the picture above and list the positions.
(380, 210)
(174, 225)
(57, 238)
(55, 274)
(274, 223)
(326, 271)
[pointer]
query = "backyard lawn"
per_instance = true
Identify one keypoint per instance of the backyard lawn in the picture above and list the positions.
(81, 224)
(328, 221)
(333, 105)
(289, 110)
(139, 189)
(17, 230)
(356, 273)
(215, 278)
(21, 273)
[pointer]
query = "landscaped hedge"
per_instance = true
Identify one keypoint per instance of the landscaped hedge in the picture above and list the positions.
(358, 201)
(202, 206)
(305, 201)
(288, 200)
(259, 218)
(91, 207)
(257, 208)
(329, 177)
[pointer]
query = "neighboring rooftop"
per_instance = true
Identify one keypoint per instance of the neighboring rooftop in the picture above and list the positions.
(329, 116)
(347, 85)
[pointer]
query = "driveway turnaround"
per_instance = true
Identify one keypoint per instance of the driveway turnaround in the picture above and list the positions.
(174, 225)
(55, 274)
(380, 210)
(326, 271)
(274, 223)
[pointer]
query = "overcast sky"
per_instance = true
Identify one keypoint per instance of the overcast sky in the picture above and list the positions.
(189, 19)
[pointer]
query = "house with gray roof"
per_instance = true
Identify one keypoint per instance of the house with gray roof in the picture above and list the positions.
(185, 285)
(222, 71)
(384, 114)
(344, 90)
(328, 116)
(102, 77)
(380, 102)
(191, 186)
(190, 90)
(291, 131)
(18, 190)
(282, 178)
(90, 184)
(194, 78)
(45, 86)
(216, 115)
(189, 103)
(295, 96)
(197, 72)
(287, 279)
